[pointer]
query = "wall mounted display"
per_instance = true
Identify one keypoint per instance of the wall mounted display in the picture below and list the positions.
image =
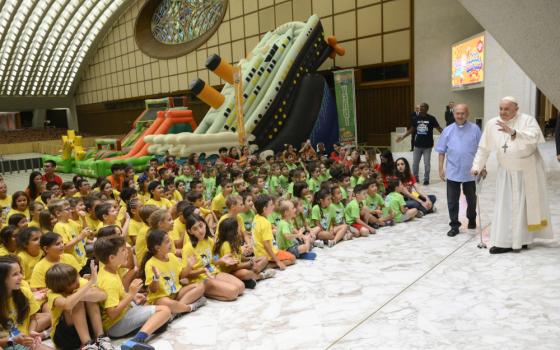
(172, 28)
(467, 63)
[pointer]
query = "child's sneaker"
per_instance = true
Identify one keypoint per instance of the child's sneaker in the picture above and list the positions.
(89, 346)
(319, 244)
(104, 343)
(389, 223)
(331, 243)
(198, 304)
(347, 236)
(419, 214)
(268, 273)
(133, 345)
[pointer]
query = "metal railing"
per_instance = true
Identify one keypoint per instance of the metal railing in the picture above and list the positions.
(9, 166)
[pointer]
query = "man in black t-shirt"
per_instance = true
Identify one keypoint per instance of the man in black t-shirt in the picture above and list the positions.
(423, 129)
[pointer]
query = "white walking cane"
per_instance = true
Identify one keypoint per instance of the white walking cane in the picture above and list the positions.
(479, 182)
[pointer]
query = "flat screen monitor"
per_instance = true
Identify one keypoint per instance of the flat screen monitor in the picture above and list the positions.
(467, 63)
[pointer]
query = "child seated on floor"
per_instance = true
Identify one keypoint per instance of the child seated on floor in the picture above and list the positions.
(218, 205)
(373, 204)
(234, 204)
(288, 237)
(123, 312)
(322, 217)
(53, 250)
(75, 315)
(229, 243)
(166, 277)
(395, 201)
(264, 242)
(72, 233)
(353, 211)
(18, 325)
(196, 198)
(157, 196)
(218, 285)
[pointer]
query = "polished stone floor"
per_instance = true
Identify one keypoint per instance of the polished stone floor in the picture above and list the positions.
(407, 287)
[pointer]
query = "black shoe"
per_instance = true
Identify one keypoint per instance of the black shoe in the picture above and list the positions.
(453, 232)
(498, 250)
(472, 225)
(426, 183)
(250, 284)
(525, 246)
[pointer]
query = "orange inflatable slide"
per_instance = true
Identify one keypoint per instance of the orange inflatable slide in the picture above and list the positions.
(164, 122)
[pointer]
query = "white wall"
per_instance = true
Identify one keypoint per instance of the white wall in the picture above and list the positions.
(529, 31)
(437, 25)
(504, 77)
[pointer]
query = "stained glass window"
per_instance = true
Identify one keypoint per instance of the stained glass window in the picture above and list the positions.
(180, 21)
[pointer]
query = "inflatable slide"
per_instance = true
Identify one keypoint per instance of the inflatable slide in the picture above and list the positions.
(284, 97)
(161, 116)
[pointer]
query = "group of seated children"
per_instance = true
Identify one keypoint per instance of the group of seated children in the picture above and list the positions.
(124, 257)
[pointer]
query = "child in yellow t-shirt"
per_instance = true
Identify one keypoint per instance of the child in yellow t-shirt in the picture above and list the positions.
(219, 201)
(229, 244)
(167, 279)
(264, 243)
(53, 248)
(18, 220)
(161, 219)
(73, 302)
(135, 224)
(30, 253)
(234, 203)
(219, 285)
(21, 305)
(179, 230)
(92, 221)
(74, 239)
(8, 240)
(195, 197)
(127, 271)
(34, 211)
(140, 246)
(19, 205)
(156, 193)
(119, 316)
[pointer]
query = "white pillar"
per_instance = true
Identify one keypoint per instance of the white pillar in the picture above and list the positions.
(504, 77)
(72, 117)
(39, 116)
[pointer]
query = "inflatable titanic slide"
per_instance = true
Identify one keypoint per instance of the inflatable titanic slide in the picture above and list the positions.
(285, 100)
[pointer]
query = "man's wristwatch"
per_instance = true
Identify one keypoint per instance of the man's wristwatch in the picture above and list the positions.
(513, 133)
(10, 341)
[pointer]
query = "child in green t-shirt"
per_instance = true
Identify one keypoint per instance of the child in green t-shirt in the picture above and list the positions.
(322, 217)
(283, 178)
(274, 185)
(287, 236)
(314, 183)
(336, 209)
(355, 171)
(395, 201)
(353, 209)
(209, 181)
(373, 204)
(186, 176)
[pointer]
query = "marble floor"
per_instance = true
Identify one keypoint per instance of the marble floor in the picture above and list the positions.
(407, 287)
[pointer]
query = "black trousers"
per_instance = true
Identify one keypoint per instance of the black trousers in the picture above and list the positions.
(453, 194)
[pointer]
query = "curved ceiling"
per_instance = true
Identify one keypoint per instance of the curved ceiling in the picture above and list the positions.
(43, 43)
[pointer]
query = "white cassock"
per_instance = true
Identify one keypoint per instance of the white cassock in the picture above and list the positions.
(521, 210)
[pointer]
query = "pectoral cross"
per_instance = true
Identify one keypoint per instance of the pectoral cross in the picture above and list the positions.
(505, 146)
